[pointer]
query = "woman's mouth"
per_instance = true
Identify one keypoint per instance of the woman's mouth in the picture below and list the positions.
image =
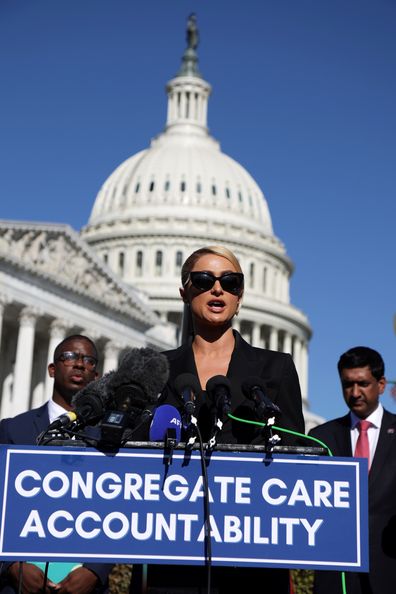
(216, 305)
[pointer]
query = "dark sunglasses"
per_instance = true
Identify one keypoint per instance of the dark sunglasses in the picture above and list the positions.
(69, 358)
(232, 282)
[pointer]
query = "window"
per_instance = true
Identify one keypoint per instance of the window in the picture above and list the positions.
(158, 263)
(151, 186)
(121, 262)
(178, 261)
(251, 275)
(167, 185)
(214, 190)
(199, 187)
(265, 279)
(139, 263)
(228, 193)
(137, 188)
(105, 258)
(183, 186)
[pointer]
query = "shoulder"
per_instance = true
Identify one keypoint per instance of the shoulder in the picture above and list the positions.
(332, 426)
(260, 354)
(389, 416)
(176, 353)
(21, 428)
(26, 416)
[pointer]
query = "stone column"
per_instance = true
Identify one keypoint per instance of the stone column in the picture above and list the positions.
(304, 373)
(256, 335)
(24, 361)
(3, 303)
(273, 343)
(297, 357)
(57, 334)
(287, 344)
(111, 352)
(236, 324)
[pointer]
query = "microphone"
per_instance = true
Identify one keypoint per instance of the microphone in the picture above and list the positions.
(166, 417)
(219, 392)
(138, 381)
(187, 386)
(63, 421)
(219, 396)
(132, 388)
(88, 405)
(133, 391)
(253, 389)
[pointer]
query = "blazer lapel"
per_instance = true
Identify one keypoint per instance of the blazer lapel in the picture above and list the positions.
(40, 421)
(343, 437)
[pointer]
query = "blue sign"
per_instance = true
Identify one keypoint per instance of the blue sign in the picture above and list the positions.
(72, 504)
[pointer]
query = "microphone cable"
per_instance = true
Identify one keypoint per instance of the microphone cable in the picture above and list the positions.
(46, 437)
(297, 434)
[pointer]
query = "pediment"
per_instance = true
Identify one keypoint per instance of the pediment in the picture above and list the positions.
(57, 254)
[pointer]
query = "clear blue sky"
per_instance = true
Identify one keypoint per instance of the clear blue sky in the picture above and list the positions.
(304, 96)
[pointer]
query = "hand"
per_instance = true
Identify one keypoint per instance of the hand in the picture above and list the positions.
(32, 579)
(79, 581)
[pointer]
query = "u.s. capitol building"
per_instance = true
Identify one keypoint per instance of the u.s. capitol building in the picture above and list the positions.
(118, 280)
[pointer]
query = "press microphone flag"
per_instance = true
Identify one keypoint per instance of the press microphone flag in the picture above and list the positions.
(165, 417)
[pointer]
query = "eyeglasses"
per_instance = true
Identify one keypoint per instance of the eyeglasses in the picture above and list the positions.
(232, 282)
(69, 358)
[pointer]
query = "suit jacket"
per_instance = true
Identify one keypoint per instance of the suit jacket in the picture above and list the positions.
(382, 509)
(277, 372)
(24, 430)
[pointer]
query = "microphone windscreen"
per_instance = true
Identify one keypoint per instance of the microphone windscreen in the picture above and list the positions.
(90, 402)
(250, 383)
(218, 382)
(145, 368)
(187, 381)
(165, 417)
(253, 388)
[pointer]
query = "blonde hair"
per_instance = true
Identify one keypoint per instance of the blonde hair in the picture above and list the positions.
(217, 250)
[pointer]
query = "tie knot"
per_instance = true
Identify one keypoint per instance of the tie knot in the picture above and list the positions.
(363, 425)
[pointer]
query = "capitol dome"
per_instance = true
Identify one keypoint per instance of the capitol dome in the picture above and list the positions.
(183, 193)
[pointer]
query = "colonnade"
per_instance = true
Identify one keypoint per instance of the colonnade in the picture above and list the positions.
(278, 339)
(24, 380)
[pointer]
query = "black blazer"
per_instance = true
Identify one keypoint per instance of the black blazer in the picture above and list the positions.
(382, 509)
(281, 384)
(278, 373)
(23, 430)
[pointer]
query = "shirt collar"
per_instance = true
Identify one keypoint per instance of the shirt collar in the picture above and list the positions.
(375, 418)
(55, 410)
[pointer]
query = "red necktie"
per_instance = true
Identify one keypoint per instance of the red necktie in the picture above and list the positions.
(362, 449)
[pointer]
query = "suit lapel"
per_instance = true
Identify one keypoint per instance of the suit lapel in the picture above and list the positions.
(40, 422)
(183, 363)
(343, 437)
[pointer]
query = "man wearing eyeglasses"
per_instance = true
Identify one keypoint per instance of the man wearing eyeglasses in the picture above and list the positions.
(74, 366)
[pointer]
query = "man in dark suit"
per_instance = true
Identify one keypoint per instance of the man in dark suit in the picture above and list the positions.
(368, 430)
(74, 366)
